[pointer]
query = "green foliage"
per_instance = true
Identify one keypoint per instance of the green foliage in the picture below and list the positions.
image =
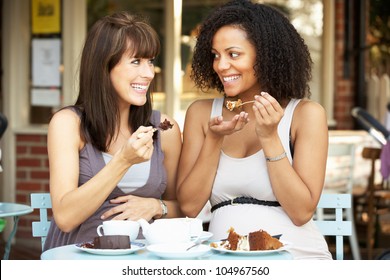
(379, 29)
(2, 224)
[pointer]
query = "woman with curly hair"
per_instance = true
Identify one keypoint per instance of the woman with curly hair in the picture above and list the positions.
(107, 160)
(259, 153)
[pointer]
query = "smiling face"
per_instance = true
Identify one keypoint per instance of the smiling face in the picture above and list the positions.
(234, 59)
(131, 79)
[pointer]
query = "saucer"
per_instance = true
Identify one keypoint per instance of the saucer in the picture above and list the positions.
(178, 250)
(204, 236)
(135, 246)
(217, 246)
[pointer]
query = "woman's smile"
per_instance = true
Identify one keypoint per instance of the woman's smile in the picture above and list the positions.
(140, 88)
(234, 59)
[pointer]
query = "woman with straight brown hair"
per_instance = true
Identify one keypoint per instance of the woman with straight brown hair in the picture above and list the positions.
(107, 159)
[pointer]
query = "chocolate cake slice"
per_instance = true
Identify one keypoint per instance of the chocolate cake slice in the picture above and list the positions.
(233, 239)
(165, 125)
(261, 240)
(254, 241)
(112, 242)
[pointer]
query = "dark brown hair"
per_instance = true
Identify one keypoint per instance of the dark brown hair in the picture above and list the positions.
(108, 39)
(283, 63)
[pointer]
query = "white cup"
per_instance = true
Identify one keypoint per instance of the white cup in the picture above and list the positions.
(119, 227)
(173, 230)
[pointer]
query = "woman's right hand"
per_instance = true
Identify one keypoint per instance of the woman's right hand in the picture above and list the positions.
(139, 147)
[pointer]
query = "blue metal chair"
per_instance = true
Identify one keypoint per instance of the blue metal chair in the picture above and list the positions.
(41, 201)
(339, 178)
(337, 227)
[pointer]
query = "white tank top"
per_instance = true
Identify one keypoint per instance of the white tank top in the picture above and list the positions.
(135, 177)
(250, 176)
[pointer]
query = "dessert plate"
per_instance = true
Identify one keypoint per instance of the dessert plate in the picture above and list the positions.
(178, 250)
(220, 249)
(135, 246)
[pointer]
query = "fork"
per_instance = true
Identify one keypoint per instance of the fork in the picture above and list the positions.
(247, 102)
(197, 243)
(231, 105)
(154, 129)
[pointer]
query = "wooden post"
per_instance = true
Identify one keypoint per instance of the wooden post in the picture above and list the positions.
(372, 154)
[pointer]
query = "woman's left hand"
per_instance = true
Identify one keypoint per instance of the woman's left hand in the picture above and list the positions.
(268, 114)
(132, 207)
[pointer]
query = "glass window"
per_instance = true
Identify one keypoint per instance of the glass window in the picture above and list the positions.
(195, 12)
(154, 11)
(46, 60)
(305, 15)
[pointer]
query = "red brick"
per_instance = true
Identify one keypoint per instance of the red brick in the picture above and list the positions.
(34, 187)
(30, 138)
(39, 174)
(42, 150)
(21, 174)
(21, 149)
(46, 187)
(28, 162)
(23, 199)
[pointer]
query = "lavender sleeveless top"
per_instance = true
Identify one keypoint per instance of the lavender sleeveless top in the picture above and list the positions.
(91, 162)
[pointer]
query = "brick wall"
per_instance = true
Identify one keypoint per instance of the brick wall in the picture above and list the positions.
(345, 88)
(32, 175)
(344, 91)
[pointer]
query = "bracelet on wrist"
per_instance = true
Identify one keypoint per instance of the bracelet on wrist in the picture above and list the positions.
(164, 209)
(277, 158)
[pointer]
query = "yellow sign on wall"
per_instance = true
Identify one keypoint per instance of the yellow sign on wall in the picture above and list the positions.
(46, 16)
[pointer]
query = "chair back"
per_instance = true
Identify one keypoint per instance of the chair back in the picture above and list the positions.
(337, 227)
(41, 201)
(340, 168)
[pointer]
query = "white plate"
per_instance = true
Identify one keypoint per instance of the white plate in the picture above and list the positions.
(249, 253)
(178, 250)
(204, 236)
(135, 246)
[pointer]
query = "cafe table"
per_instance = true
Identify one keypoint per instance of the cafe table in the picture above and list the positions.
(15, 210)
(73, 252)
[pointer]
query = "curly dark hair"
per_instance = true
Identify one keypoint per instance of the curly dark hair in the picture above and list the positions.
(283, 63)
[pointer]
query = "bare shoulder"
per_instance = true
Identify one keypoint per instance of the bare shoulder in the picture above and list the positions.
(309, 116)
(65, 124)
(64, 116)
(200, 109)
(171, 138)
(201, 104)
(307, 108)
